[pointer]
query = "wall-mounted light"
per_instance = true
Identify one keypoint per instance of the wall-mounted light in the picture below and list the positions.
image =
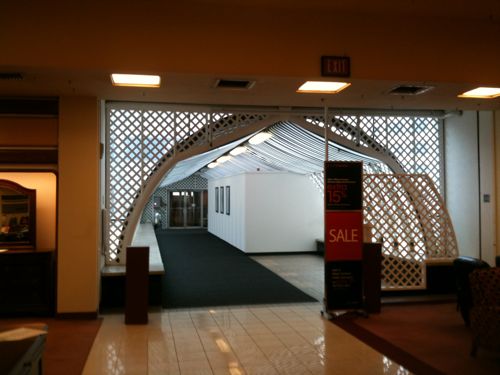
(238, 150)
(482, 93)
(259, 138)
(212, 165)
(135, 80)
(322, 87)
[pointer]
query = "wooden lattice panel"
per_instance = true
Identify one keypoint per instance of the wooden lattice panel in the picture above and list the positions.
(408, 216)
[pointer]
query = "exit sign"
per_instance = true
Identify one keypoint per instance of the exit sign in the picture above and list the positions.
(335, 66)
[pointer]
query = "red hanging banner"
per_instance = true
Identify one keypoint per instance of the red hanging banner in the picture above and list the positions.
(343, 235)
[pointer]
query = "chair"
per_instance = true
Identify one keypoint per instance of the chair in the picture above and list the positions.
(463, 266)
(485, 312)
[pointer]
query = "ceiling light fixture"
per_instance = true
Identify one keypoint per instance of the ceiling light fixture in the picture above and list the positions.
(212, 165)
(135, 80)
(238, 150)
(482, 93)
(322, 87)
(259, 138)
(223, 159)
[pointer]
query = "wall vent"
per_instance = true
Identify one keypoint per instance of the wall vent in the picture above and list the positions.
(410, 90)
(14, 76)
(237, 84)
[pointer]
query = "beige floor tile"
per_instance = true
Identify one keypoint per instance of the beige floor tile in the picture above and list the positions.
(191, 356)
(229, 371)
(197, 366)
(256, 360)
(222, 360)
(238, 340)
(162, 367)
(261, 370)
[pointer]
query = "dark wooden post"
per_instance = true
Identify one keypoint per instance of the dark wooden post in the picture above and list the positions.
(372, 276)
(137, 285)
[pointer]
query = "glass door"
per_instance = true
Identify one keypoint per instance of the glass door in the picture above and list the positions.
(186, 209)
(176, 209)
(193, 209)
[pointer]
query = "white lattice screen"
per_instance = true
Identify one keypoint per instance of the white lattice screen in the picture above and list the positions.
(407, 215)
(413, 142)
(139, 141)
(141, 138)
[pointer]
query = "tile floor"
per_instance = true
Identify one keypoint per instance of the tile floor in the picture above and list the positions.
(304, 271)
(238, 340)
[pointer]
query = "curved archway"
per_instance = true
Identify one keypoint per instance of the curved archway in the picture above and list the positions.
(160, 136)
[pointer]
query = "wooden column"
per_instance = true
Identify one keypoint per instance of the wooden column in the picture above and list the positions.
(136, 285)
(372, 271)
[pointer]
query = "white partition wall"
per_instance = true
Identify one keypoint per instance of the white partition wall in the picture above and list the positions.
(269, 212)
(231, 228)
(470, 174)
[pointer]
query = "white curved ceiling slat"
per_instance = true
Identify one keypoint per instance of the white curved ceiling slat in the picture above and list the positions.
(291, 148)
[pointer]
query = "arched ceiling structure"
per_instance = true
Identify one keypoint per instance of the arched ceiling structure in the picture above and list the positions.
(291, 148)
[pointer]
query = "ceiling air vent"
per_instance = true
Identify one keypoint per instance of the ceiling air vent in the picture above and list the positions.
(12, 76)
(238, 84)
(409, 90)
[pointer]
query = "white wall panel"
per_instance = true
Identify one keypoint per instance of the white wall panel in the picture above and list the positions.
(462, 182)
(470, 174)
(487, 186)
(270, 212)
(230, 228)
(496, 124)
(284, 213)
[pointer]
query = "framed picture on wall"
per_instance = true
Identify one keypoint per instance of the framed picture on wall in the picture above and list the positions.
(216, 199)
(222, 199)
(228, 200)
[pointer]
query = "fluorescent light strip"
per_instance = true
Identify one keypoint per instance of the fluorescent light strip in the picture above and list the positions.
(482, 93)
(238, 150)
(135, 80)
(259, 138)
(223, 159)
(212, 165)
(322, 87)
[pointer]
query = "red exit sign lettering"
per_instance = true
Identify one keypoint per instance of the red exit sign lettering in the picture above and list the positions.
(335, 66)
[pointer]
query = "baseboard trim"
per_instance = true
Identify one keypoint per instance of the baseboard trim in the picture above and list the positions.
(92, 315)
(286, 253)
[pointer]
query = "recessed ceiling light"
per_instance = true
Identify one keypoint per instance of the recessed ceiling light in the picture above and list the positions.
(212, 165)
(135, 80)
(322, 87)
(238, 150)
(259, 138)
(482, 93)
